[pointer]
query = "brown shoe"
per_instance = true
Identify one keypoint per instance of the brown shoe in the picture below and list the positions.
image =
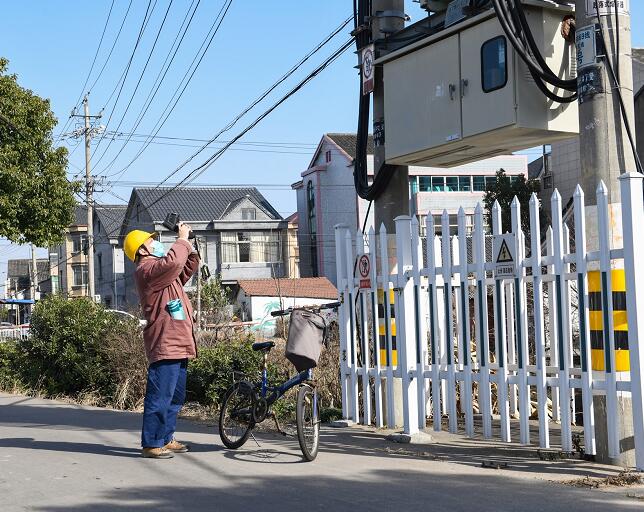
(175, 446)
(156, 453)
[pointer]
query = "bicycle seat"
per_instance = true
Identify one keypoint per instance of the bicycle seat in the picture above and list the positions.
(264, 345)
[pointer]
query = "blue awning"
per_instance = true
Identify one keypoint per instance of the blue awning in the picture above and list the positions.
(17, 301)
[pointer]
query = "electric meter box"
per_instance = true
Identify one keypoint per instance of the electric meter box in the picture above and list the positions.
(464, 94)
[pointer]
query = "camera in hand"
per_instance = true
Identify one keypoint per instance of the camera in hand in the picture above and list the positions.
(172, 221)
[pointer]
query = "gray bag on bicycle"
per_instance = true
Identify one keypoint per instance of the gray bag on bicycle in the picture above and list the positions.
(306, 335)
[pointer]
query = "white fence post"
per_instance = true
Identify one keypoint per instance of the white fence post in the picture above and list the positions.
(433, 261)
(500, 339)
(448, 332)
(405, 332)
(632, 222)
(605, 269)
(354, 410)
(419, 325)
(539, 334)
(584, 326)
(465, 355)
(561, 323)
(384, 265)
(483, 336)
(521, 319)
(364, 338)
(343, 319)
(375, 328)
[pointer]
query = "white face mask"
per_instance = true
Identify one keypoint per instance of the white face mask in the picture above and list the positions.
(157, 249)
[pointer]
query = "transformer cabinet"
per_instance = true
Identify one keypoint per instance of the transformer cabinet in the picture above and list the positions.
(463, 94)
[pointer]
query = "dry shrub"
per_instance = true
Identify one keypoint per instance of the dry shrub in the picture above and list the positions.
(128, 365)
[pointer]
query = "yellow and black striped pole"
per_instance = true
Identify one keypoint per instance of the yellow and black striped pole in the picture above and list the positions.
(620, 321)
(382, 327)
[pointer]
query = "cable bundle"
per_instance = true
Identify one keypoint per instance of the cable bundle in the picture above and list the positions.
(515, 25)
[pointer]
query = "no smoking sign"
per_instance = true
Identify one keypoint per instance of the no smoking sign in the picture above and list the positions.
(364, 269)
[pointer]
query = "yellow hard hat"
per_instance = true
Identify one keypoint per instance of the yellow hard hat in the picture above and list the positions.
(133, 240)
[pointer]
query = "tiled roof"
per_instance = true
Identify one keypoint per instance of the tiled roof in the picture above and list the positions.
(347, 141)
(111, 217)
(80, 215)
(307, 287)
(20, 268)
(198, 204)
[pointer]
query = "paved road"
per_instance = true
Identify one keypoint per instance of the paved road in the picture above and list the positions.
(60, 457)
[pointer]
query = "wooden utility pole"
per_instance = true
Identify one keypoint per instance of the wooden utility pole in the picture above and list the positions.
(605, 154)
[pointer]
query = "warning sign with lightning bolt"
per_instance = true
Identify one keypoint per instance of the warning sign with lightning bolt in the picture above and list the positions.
(504, 250)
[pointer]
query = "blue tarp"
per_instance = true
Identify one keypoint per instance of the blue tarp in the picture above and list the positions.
(17, 301)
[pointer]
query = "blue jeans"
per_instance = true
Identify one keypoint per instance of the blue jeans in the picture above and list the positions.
(164, 397)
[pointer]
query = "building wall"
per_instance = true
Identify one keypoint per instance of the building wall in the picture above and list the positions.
(566, 160)
(109, 268)
(257, 309)
(67, 259)
(639, 123)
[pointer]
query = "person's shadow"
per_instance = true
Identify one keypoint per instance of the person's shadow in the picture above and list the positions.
(29, 443)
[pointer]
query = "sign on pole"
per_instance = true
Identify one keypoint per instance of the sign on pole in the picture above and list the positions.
(606, 7)
(585, 40)
(504, 251)
(368, 69)
(364, 269)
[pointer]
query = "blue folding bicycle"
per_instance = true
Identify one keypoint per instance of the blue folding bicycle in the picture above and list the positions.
(246, 404)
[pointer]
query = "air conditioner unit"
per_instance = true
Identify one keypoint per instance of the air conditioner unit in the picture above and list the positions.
(463, 94)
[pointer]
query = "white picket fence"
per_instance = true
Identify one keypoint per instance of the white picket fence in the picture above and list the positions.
(444, 335)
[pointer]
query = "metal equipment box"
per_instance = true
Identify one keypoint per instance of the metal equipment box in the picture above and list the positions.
(463, 94)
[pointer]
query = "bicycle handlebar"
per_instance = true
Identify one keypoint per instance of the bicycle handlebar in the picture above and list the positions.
(329, 305)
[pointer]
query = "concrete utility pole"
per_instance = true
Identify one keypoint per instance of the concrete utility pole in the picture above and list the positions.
(387, 17)
(605, 153)
(198, 286)
(33, 275)
(89, 200)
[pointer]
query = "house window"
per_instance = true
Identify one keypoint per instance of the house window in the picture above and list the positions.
(490, 182)
(494, 64)
(451, 183)
(425, 183)
(464, 184)
(249, 214)
(478, 183)
(453, 224)
(99, 263)
(327, 156)
(313, 246)
(438, 183)
(79, 243)
(80, 275)
(250, 247)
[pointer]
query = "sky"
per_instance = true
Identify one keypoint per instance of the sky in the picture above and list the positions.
(51, 45)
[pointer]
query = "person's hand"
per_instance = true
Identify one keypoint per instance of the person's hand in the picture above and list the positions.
(184, 231)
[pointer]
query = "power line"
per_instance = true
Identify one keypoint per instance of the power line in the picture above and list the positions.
(127, 68)
(164, 69)
(262, 96)
(214, 29)
(138, 83)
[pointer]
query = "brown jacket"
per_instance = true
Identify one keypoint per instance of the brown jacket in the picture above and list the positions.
(158, 281)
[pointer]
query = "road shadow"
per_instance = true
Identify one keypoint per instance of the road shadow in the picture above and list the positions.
(374, 489)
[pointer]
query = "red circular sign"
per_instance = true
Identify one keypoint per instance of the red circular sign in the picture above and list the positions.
(364, 266)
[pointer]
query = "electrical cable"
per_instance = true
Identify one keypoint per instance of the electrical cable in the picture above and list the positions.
(519, 35)
(91, 68)
(165, 67)
(138, 83)
(160, 123)
(262, 96)
(127, 69)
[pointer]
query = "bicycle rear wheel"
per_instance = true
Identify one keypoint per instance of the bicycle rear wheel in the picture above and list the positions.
(308, 421)
(235, 417)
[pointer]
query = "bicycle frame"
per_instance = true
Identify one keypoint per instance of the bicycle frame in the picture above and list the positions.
(273, 393)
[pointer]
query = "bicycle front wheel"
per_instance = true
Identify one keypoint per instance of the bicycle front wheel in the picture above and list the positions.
(308, 421)
(235, 417)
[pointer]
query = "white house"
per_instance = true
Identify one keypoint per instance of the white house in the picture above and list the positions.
(326, 196)
(256, 298)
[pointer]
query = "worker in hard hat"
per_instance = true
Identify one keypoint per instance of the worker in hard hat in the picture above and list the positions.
(168, 335)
